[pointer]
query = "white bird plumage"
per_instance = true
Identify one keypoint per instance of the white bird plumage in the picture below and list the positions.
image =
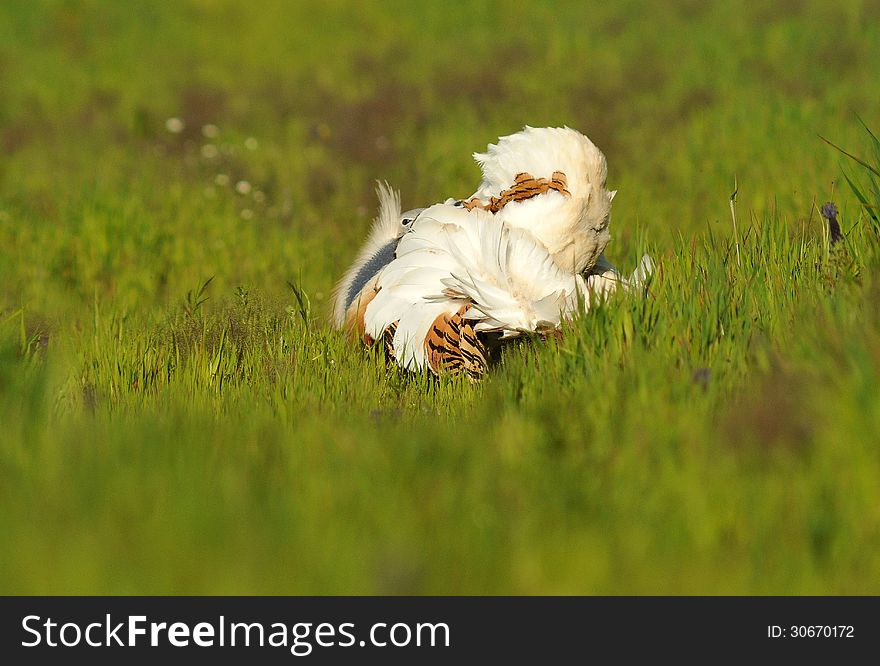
(573, 226)
(520, 255)
(377, 251)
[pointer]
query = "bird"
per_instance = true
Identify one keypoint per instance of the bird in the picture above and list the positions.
(440, 285)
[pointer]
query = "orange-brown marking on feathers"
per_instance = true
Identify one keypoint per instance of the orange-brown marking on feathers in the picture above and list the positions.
(388, 338)
(559, 182)
(354, 315)
(525, 186)
(452, 345)
(473, 351)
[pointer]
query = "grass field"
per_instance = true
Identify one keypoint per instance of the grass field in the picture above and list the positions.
(162, 434)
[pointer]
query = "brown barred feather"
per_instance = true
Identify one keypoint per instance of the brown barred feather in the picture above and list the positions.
(452, 346)
(388, 339)
(442, 341)
(525, 187)
(559, 182)
(473, 351)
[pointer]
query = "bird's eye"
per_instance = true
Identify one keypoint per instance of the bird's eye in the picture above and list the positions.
(407, 221)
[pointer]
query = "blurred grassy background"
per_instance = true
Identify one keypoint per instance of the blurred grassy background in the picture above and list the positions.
(719, 436)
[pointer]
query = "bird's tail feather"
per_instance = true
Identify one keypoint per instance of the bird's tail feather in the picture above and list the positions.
(383, 234)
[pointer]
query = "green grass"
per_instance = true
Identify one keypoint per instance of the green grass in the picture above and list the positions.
(717, 434)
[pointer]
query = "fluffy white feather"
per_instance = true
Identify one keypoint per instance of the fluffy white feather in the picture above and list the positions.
(453, 257)
(388, 226)
(574, 228)
(514, 284)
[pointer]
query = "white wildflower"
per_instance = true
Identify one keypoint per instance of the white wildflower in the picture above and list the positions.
(175, 125)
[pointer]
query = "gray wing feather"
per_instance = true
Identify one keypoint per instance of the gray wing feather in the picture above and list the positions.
(383, 256)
